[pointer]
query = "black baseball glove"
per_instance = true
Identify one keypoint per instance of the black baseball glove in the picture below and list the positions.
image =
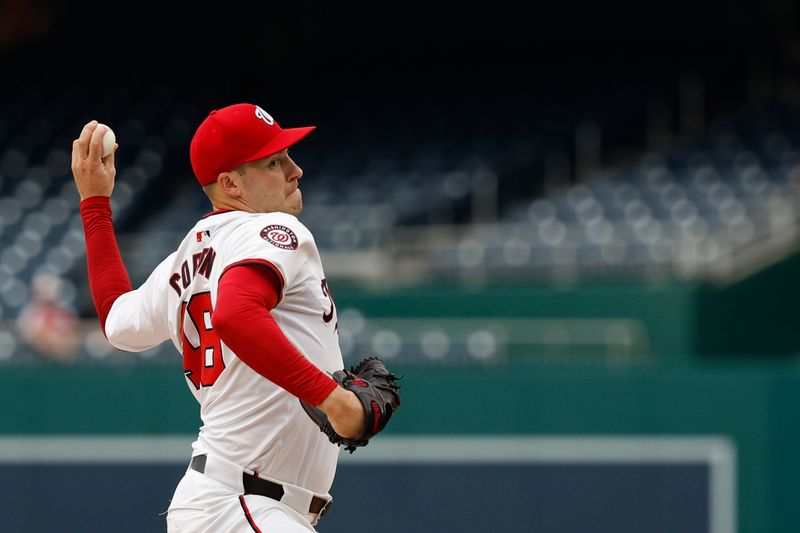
(376, 388)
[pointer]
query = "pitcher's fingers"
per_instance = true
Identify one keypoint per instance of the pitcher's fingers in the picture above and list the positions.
(75, 152)
(96, 142)
(85, 137)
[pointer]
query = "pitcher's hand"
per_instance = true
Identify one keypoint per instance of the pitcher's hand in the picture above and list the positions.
(94, 175)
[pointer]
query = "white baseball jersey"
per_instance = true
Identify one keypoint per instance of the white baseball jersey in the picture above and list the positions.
(246, 418)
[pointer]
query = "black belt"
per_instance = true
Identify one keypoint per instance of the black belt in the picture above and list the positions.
(264, 487)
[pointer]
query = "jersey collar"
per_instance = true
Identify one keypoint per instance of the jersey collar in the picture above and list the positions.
(216, 212)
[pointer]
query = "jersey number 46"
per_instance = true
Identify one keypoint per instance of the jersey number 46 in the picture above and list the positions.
(202, 352)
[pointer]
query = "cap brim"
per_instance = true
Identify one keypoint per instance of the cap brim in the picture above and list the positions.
(286, 138)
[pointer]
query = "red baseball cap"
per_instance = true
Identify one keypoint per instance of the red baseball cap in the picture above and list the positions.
(237, 134)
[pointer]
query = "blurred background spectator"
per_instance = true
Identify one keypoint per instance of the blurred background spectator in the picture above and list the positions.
(46, 324)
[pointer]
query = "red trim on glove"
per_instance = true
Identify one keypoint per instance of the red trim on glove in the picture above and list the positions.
(108, 278)
(242, 320)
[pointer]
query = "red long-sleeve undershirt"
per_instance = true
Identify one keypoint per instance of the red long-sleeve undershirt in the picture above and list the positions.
(245, 295)
(108, 278)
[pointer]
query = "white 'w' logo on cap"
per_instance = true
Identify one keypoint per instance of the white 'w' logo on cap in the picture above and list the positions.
(263, 115)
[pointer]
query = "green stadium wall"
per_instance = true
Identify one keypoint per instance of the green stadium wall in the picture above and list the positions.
(753, 402)
(688, 384)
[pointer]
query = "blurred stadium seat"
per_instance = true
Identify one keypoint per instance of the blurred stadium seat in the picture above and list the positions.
(459, 187)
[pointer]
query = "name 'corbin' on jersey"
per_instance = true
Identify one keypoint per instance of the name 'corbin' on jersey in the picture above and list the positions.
(202, 262)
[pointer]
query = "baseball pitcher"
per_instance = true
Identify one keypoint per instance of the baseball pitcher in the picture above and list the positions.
(245, 301)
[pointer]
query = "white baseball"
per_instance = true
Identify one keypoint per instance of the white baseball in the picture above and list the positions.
(108, 141)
